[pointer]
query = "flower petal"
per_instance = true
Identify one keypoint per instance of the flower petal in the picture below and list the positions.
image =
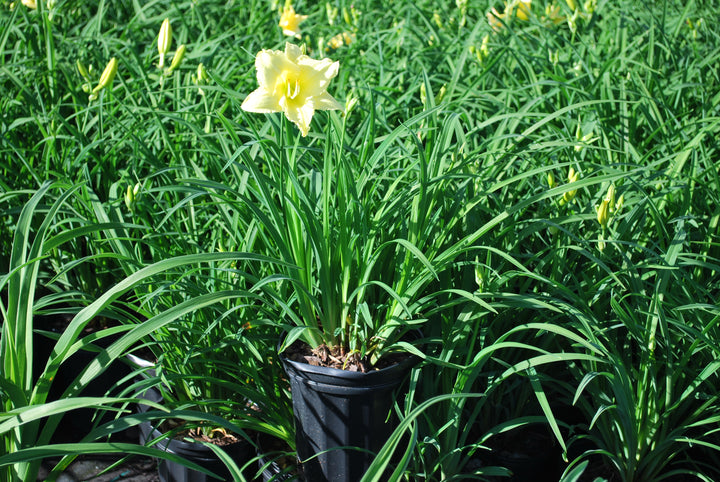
(270, 65)
(315, 75)
(326, 102)
(261, 101)
(300, 115)
(292, 52)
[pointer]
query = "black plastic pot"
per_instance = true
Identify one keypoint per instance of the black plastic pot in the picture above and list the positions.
(337, 408)
(271, 469)
(75, 424)
(241, 452)
(198, 453)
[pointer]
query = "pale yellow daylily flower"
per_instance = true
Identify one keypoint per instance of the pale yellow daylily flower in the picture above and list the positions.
(292, 83)
(345, 38)
(495, 19)
(523, 9)
(517, 8)
(30, 4)
(290, 21)
(554, 14)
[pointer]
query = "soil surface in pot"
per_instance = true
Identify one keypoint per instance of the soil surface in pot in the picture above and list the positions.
(336, 357)
(217, 436)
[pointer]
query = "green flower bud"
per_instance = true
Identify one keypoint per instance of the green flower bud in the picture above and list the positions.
(603, 213)
(164, 41)
(610, 198)
(177, 58)
(83, 71)
(106, 78)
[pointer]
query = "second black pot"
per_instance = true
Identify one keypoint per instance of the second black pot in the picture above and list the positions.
(241, 452)
(337, 408)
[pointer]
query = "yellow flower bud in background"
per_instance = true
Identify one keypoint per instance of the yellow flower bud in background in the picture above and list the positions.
(87, 85)
(332, 13)
(568, 196)
(177, 58)
(523, 9)
(350, 104)
(485, 46)
(495, 19)
(202, 75)
(572, 175)
(83, 71)
(603, 213)
(571, 4)
(620, 202)
(437, 19)
(423, 94)
(441, 94)
(106, 78)
(610, 198)
(30, 4)
(551, 180)
(131, 196)
(164, 41)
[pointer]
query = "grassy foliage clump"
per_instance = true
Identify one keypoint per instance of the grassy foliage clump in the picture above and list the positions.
(554, 164)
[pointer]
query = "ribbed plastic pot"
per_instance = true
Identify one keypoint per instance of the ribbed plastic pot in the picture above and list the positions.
(337, 408)
(198, 453)
(170, 471)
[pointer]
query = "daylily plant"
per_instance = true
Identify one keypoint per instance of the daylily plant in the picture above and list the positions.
(292, 83)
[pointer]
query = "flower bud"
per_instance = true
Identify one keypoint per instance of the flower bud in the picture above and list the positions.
(350, 104)
(610, 198)
(441, 94)
(177, 58)
(485, 46)
(83, 70)
(106, 78)
(164, 41)
(568, 196)
(202, 73)
(603, 213)
(131, 196)
(551, 180)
